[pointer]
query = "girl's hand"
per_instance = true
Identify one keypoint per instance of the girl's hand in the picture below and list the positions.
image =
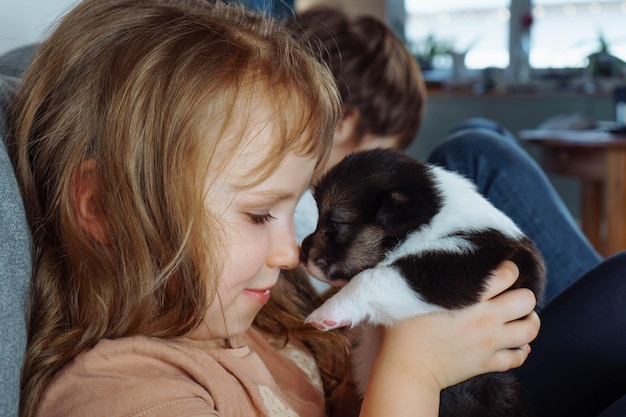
(423, 355)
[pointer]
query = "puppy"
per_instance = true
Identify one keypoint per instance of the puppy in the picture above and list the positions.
(408, 238)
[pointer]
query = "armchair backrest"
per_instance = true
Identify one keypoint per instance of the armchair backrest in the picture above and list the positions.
(15, 269)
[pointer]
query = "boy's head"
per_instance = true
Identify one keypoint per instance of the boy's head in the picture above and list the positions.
(380, 82)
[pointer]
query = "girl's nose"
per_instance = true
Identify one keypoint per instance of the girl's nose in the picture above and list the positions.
(285, 254)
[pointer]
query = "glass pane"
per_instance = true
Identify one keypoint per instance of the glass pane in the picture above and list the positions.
(564, 33)
(479, 28)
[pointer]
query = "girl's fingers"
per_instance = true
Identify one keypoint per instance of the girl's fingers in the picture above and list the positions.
(523, 331)
(515, 304)
(506, 359)
(501, 279)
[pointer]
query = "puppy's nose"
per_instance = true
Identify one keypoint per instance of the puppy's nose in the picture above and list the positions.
(304, 250)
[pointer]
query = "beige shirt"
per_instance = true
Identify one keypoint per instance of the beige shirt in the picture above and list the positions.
(139, 376)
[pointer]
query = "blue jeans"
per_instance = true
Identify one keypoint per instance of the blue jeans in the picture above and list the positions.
(577, 367)
(507, 176)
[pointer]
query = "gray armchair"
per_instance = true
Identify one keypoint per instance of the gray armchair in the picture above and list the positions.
(15, 268)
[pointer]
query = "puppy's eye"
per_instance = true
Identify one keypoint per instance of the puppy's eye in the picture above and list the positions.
(336, 226)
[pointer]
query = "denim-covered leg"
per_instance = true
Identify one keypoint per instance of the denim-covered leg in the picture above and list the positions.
(577, 367)
(506, 175)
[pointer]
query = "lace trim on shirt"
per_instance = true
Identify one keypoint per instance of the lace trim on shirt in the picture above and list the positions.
(304, 360)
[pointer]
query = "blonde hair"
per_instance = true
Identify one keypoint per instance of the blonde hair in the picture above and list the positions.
(145, 89)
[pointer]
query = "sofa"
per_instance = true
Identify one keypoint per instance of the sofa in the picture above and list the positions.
(15, 254)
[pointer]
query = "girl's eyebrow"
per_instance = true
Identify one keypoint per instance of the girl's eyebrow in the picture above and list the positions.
(271, 195)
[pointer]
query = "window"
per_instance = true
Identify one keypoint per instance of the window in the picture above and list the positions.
(563, 33)
(477, 28)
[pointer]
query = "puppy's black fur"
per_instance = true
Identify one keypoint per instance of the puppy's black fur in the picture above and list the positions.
(410, 238)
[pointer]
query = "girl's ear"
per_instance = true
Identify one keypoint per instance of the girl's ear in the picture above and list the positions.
(84, 203)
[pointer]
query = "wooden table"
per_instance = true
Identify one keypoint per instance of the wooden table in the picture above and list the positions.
(598, 159)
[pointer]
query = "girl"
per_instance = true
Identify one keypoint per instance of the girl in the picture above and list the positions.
(161, 148)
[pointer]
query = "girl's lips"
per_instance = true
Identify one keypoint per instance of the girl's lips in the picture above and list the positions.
(261, 295)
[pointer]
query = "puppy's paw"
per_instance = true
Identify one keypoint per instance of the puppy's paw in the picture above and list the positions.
(327, 320)
(333, 314)
(326, 324)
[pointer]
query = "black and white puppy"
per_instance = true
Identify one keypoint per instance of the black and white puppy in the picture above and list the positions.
(409, 238)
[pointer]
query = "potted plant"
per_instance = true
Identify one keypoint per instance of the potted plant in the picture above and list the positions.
(429, 48)
(602, 63)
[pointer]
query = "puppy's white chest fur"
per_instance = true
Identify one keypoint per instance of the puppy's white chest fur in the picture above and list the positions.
(374, 297)
(380, 296)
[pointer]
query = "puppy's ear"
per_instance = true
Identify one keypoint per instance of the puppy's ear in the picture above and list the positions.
(402, 212)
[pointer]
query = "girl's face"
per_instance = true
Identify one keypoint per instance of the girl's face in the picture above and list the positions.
(258, 234)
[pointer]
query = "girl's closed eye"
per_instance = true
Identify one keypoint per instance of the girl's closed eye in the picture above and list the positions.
(260, 218)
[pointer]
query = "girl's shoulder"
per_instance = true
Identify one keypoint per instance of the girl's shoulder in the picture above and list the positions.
(127, 376)
(131, 376)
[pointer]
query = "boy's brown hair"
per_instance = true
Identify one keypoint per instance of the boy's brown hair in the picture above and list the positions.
(375, 72)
